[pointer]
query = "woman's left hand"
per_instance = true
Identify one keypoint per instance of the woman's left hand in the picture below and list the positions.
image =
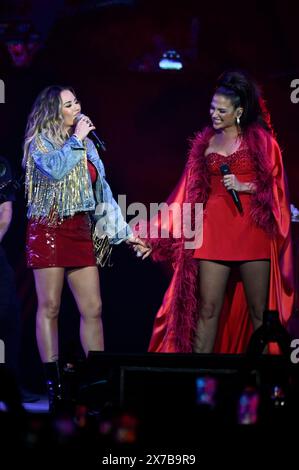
(232, 182)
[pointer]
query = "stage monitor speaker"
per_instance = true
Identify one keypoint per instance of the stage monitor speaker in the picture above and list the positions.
(155, 382)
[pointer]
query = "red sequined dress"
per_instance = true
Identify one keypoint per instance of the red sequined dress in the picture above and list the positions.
(227, 234)
(67, 244)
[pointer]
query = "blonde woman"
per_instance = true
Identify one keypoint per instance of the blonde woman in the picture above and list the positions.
(65, 183)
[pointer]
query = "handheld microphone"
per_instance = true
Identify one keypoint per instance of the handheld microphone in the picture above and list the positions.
(100, 144)
(225, 170)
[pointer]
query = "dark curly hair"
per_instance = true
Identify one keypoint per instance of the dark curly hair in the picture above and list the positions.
(245, 92)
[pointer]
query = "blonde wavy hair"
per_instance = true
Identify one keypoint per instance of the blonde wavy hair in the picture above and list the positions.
(46, 117)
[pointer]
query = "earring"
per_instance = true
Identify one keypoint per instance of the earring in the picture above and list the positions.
(238, 120)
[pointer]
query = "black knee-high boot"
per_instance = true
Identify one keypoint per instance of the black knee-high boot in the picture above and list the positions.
(54, 386)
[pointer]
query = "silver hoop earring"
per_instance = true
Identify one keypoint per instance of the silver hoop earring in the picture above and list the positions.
(238, 120)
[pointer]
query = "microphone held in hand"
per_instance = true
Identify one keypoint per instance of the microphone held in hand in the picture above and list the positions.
(100, 144)
(225, 170)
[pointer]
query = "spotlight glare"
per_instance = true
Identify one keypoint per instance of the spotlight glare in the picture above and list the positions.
(171, 60)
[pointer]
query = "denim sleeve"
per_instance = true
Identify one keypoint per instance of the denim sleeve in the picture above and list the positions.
(56, 163)
(110, 220)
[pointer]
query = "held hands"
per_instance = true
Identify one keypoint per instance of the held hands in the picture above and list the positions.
(83, 127)
(232, 182)
(141, 248)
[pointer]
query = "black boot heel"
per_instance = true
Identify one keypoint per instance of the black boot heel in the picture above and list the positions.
(54, 386)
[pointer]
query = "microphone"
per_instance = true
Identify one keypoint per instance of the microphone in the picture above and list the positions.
(100, 144)
(225, 170)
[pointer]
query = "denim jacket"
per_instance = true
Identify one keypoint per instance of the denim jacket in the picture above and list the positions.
(55, 165)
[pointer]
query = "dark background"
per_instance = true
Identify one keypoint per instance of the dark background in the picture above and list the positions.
(109, 52)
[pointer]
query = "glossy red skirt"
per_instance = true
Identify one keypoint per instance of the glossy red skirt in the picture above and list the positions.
(68, 244)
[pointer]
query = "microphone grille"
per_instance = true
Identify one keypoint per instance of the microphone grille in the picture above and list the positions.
(76, 119)
(224, 168)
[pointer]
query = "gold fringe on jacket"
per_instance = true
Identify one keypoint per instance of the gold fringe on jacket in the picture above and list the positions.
(102, 249)
(51, 200)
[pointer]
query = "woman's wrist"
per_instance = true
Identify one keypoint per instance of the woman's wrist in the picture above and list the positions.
(249, 188)
(77, 137)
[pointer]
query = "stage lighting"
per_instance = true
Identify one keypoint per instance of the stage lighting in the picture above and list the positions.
(22, 51)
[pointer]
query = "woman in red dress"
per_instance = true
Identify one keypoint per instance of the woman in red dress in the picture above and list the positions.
(204, 313)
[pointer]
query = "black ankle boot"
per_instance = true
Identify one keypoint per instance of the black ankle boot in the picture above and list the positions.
(54, 386)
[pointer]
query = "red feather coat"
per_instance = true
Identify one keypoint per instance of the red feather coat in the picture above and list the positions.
(177, 317)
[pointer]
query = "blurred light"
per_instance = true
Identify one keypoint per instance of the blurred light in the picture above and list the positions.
(278, 397)
(21, 40)
(171, 60)
(248, 406)
(126, 430)
(22, 52)
(295, 213)
(3, 406)
(206, 388)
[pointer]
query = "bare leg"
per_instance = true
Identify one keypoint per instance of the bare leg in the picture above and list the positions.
(212, 283)
(48, 284)
(255, 276)
(85, 286)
